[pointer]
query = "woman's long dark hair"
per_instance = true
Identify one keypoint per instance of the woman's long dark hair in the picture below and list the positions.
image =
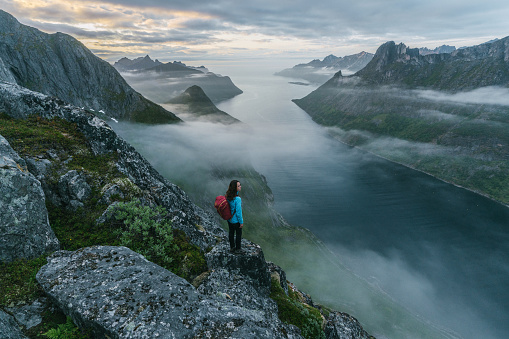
(232, 190)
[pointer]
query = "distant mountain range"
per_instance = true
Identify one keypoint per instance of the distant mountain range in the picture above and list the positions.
(429, 112)
(319, 71)
(196, 105)
(466, 68)
(437, 50)
(59, 65)
(143, 63)
(162, 82)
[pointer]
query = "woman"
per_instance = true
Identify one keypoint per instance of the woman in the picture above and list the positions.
(236, 223)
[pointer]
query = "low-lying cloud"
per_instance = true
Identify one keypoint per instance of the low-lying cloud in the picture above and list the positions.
(491, 95)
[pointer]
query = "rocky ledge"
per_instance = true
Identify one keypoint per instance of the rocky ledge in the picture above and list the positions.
(119, 294)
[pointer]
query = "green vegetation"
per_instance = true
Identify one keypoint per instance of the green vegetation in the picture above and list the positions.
(292, 311)
(146, 230)
(66, 330)
(17, 281)
(151, 113)
(134, 225)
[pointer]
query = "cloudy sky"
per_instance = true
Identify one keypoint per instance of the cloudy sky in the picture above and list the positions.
(288, 29)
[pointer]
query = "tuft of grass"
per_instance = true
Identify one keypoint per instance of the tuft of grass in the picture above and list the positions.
(292, 311)
(17, 281)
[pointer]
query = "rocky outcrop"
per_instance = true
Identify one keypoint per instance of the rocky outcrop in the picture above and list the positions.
(60, 66)
(74, 189)
(196, 105)
(9, 328)
(24, 228)
(250, 264)
(118, 293)
(343, 326)
(19, 102)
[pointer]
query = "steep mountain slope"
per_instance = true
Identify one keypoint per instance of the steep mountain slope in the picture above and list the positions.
(196, 105)
(60, 66)
(392, 108)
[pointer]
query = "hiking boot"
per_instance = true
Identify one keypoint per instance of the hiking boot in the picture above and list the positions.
(238, 251)
(232, 250)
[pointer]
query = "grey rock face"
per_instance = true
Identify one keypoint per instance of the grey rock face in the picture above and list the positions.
(9, 328)
(30, 315)
(250, 263)
(73, 189)
(118, 293)
(280, 275)
(24, 228)
(343, 326)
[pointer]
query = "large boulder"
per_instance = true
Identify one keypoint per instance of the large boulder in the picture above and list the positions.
(24, 227)
(118, 293)
(9, 328)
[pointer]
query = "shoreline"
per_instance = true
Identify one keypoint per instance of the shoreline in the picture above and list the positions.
(416, 169)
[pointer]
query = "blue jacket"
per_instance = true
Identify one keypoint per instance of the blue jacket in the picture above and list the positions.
(236, 208)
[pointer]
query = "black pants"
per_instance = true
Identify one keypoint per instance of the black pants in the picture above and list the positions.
(235, 230)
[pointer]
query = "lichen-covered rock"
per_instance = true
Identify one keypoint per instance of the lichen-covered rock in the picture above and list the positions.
(24, 228)
(343, 326)
(30, 315)
(118, 293)
(250, 263)
(73, 189)
(9, 328)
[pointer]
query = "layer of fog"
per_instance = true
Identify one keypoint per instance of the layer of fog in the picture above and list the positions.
(486, 95)
(155, 88)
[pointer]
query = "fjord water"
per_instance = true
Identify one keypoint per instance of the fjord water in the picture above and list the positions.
(441, 251)
(438, 250)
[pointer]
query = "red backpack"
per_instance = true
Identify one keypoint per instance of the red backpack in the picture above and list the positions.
(223, 207)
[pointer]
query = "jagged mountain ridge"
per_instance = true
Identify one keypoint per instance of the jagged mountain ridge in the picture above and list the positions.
(59, 65)
(472, 67)
(353, 62)
(198, 105)
(437, 50)
(127, 64)
(319, 71)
